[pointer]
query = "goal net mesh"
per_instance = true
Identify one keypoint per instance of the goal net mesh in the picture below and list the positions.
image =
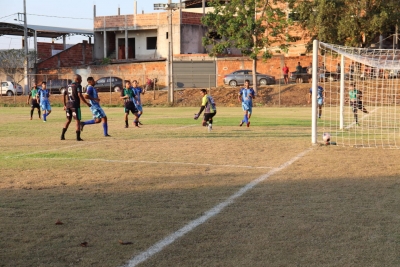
(368, 113)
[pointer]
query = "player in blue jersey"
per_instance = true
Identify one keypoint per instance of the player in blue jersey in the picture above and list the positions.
(43, 98)
(320, 98)
(98, 113)
(209, 107)
(246, 96)
(72, 106)
(138, 102)
(129, 97)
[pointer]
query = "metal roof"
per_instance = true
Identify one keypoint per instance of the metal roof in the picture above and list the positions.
(199, 3)
(42, 31)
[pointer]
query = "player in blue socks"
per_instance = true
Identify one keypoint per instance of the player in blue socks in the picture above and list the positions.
(43, 97)
(98, 113)
(246, 96)
(137, 101)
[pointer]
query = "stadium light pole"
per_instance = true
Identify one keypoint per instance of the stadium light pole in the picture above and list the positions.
(170, 59)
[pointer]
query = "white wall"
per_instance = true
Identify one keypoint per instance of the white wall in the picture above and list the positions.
(141, 51)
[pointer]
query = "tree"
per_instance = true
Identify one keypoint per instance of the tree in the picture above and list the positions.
(256, 27)
(12, 63)
(347, 22)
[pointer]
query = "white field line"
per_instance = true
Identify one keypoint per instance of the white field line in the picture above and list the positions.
(160, 245)
(53, 149)
(364, 117)
(157, 162)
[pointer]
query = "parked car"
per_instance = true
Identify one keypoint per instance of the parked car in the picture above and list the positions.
(58, 86)
(105, 84)
(11, 88)
(238, 77)
(303, 76)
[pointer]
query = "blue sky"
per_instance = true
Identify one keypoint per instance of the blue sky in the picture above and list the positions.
(79, 13)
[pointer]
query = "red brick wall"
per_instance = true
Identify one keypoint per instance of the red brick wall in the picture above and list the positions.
(139, 20)
(44, 49)
(77, 55)
(191, 18)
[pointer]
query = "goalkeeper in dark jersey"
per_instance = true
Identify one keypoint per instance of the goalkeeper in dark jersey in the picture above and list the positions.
(209, 107)
(356, 101)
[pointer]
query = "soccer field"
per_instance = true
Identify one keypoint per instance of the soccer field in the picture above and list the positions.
(173, 194)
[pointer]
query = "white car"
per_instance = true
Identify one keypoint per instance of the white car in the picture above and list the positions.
(10, 88)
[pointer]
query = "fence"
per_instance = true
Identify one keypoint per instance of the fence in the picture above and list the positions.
(110, 86)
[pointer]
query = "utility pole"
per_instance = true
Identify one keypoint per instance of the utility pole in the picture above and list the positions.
(170, 59)
(26, 51)
(171, 56)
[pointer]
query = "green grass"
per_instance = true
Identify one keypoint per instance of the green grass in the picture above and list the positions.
(335, 206)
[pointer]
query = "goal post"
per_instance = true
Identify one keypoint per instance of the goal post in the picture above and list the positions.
(362, 86)
(314, 86)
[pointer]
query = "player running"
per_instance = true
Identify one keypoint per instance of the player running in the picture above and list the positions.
(43, 98)
(98, 113)
(138, 102)
(34, 102)
(72, 106)
(209, 107)
(246, 96)
(129, 97)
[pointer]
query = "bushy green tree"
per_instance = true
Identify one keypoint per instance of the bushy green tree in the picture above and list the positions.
(256, 27)
(347, 22)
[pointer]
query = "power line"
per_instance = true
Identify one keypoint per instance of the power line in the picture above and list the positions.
(57, 17)
(8, 16)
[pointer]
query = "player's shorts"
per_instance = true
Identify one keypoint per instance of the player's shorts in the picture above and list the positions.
(97, 112)
(356, 105)
(247, 107)
(130, 107)
(209, 116)
(139, 108)
(34, 103)
(45, 105)
(320, 101)
(73, 113)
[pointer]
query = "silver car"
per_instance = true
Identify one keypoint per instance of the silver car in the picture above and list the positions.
(238, 77)
(10, 88)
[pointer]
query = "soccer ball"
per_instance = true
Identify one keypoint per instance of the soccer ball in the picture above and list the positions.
(326, 137)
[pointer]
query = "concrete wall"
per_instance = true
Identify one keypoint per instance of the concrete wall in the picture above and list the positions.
(98, 49)
(192, 39)
(141, 51)
(132, 71)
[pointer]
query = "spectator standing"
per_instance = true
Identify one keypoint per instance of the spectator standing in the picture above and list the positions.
(299, 70)
(285, 71)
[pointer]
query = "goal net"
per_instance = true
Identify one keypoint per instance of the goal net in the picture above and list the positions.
(361, 87)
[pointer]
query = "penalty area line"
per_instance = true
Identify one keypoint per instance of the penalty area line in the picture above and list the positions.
(159, 246)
